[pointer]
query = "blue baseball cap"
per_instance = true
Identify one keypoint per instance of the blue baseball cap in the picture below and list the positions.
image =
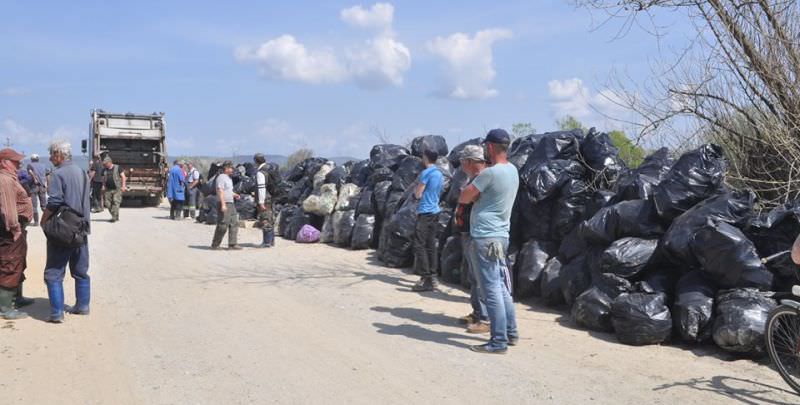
(497, 135)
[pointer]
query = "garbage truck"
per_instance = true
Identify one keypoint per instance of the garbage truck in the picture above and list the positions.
(137, 143)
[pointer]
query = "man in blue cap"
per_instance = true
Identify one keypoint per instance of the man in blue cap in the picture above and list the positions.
(493, 193)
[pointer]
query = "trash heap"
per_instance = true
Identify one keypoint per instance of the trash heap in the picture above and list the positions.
(663, 252)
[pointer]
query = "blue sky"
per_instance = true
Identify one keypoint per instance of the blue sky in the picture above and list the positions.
(274, 76)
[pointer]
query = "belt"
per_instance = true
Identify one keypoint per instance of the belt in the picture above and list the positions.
(425, 214)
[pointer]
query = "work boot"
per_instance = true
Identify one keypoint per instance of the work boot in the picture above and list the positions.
(268, 239)
(7, 310)
(20, 301)
(82, 295)
(234, 247)
(426, 284)
(488, 349)
(478, 328)
(55, 290)
(468, 320)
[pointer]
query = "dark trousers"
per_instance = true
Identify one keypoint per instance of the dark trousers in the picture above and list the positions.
(58, 257)
(425, 260)
(175, 209)
(97, 195)
(13, 255)
(38, 198)
(227, 222)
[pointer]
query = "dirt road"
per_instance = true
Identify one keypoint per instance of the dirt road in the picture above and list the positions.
(175, 323)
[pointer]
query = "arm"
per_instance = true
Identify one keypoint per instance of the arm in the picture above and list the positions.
(420, 189)
(469, 195)
(221, 196)
(124, 181)
(261, 182)
(55, 197)
(796, 251)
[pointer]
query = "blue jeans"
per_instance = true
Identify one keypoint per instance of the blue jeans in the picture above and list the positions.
(488, 257)
(475, 296)
(57, 259)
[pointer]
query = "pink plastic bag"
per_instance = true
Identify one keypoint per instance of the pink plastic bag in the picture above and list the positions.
(307, 234)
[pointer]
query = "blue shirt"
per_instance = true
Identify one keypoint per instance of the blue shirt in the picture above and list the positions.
(40, 170)
(491, 214)
(433, 180)
(69, 185)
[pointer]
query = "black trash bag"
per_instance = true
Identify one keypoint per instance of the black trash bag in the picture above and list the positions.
(297, 220)
(693, 309)
(301, 190)
(602, 158)
(572, 246)
(429, 142)
(696, 176)
(285, 216)
(297, 172)
(447, 175)
(397, 237)
(451, 260)
(734, 207)
(638, 184)
(570, 209)
(445, 226)
(641, 318)
(281, 192)
(563, 145)
(393, 201)
(246, 185)
(455, 155)
(740, 320)
(550, 283)
(211, 209)
(313, 165)
(728, 258)
(533, 220)
(343, 223)
(543, 180)
(380, 174)
(626, 257)
(379, 196)
(407, 173)
(338, 176)
(364, 205)
(246, 207)
(575, 278)
(521, 148)
(660, 280)
(530, 263)
(611, 284)
(360, 173)
(774, 233)
(597, 201)
(458, 183)
(362, 232)
(635, 218)
(592, 310)
(387, 155)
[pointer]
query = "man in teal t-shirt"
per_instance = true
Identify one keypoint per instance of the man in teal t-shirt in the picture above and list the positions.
(428, 192)
(493, 191)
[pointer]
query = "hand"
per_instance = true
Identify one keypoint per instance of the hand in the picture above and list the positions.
(235, 196)
(262, 207)
(223, 208)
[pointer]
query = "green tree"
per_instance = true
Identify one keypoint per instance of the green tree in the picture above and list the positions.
(522, 128)
(569, 122)
(630, 153)
(298, 156)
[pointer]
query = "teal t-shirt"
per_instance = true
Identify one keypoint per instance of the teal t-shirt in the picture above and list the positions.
(491, 214)
(433, 180)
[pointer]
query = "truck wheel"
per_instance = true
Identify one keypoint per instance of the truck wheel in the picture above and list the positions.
(151, 201)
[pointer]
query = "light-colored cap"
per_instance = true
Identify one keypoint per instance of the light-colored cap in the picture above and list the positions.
(473, 152)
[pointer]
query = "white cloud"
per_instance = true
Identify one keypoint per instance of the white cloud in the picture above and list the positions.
(572, 97)
(14, 91)
(379, 61)
(469, 69)
(380, 16)
(25, 139)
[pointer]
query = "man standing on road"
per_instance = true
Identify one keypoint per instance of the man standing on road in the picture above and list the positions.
(493, 192)
(266, 218)
(69, 186)
(176, 190)
(114, 184)
(39, 173)
(96, 174)
(192, 182)
(472, 163)
(228, 218)
(428, 192)
(15, 212)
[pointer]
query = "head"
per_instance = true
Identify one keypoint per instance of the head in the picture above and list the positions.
(190, 165)
(10, 160)
(429, 156)
(108, 163)
(34, 157)
(227, 167)
(259, 159)
(473, 160)
(496, 144)
(60, 152)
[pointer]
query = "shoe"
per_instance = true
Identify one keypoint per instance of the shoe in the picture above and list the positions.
(485, 348)
(234, 247)
(20, 301)
(215, 247)
(112, 220)
(467, 320)
(478, 328)
(13, 315)
(512, 341)
(424, 284)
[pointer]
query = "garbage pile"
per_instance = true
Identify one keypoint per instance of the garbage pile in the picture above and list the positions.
(662, 252)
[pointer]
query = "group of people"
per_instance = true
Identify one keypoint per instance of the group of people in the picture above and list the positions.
(183, 181)
(62, 193)
(483, 221)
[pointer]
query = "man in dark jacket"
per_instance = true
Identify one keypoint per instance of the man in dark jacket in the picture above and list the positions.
(69, 186)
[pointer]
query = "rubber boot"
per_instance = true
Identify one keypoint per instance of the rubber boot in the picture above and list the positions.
(55, 290)
(7, 310)
(20, 300)
(268, 238)
(82, 295)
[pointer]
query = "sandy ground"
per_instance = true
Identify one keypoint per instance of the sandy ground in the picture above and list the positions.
(175, 323)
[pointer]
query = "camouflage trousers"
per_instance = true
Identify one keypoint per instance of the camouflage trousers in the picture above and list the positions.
(112, 199)
(266, 218)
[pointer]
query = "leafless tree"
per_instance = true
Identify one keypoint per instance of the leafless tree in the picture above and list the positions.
(734, 84)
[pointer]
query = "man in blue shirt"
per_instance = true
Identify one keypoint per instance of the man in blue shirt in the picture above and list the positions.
(39, 173)
(428, 191)
(176, 190)
(493, 191)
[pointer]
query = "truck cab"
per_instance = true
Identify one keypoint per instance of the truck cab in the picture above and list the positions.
(137, 143)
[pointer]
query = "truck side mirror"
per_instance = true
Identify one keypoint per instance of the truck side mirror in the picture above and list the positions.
(84, 145)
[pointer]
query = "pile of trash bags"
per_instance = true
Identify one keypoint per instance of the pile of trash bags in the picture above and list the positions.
(666, 251)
